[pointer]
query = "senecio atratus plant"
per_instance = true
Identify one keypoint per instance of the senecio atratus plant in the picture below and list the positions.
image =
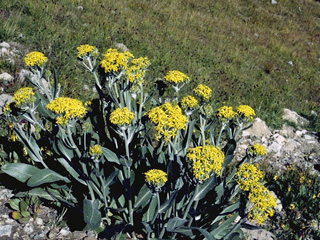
(133, 163)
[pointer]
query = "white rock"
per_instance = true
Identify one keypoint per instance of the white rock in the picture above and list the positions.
(4, 52)
(4, 45)
(292, 116)
(259, 128)
(274, 147)
(64, 232)
(5, 230)
(6, 77)
(28, 229)
(274, 2)
(39, 221)
(291, 144)
(9, 221)
(308, 137)
(22, 75)
(279, 139)
(121, 47)
(79, 8)
(300, 133)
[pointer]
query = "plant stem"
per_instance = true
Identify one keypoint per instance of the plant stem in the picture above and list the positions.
(220, 133)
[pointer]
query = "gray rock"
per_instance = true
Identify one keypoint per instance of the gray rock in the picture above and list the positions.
(28, 228)
(64, 232)
(121, 47)
(22, 75)
(259, 128)
(39, 221)
(256, 234)
(6, 77)
(274, 147)
(274, 2)
(5, 230)
(5, 45)
(4, 52)
(79, 8)
(287, 131)
(293, 117)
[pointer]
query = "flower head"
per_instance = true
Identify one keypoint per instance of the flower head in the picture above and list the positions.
(248, 176)
(204, 160)
(137, 70)
(225, 113)
(203, 91)
(189, 102)
(95, 151)
(264, 204)
(114, 61)
(35, 59)
(121, 116)
(257, 150)
(156, 178)
(246, 112)
(168, 120)
(24, 96)
(66, 108)
(175, 77)
(87, 50)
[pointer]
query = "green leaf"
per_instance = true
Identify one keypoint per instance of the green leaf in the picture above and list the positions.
(14, 204)
(230, 147)
(227, 210)
(71, 169)
(91, 213)
(205, 188)
(175, 223)
(23, 206)
(223, 228)
(144, 196)
(219, 190)
(45, 176)
(227, 160)
(25, 214)
(24, 220)
(111, 178)
(231, 175)
(20, 171)
(204, 232)
(165, 206)
(148, 215)
(39, 192)
(110, 156)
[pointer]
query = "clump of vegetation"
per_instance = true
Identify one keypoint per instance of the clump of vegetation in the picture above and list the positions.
(130, 162)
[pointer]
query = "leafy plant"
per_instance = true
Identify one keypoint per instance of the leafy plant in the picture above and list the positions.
(25, 208)
(132, 162)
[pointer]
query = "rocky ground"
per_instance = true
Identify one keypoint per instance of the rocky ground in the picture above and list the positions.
(285, 146)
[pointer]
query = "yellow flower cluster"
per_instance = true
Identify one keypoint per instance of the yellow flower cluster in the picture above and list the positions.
(121, 116)
(246, 112)
(175, 77)
(24, 96)
(203, 92)
(263, 204)
(168, 120)
(137, 70)
(225, 113)
(249, 179)
(35, 59)
(114, 61)
(205, 159)
(155, 177)
(257, 150)
(248, 176)
(67, 108)
(189, 102)
(87, 50)
(95, 151)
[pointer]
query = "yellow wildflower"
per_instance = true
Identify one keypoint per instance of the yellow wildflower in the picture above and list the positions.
(23, 96)
(175, 77)
(302, 179)
(257, 150)
(137, 70)
(66, 108)
(275, 177)
(289, 189)
(14, 137)
(245, 111)
(156, 178)
(168, 120)
(87, 50)
(292, 206)
(121, 116)
(248, 176)
(6, 108)
(203, 91)
(189, 102)
(95, 151)
(225, 113)
(204, 160)
(114, 61)
(35, 59)
(264, 204)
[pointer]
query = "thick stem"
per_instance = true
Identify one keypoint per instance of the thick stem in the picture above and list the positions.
(220, 133)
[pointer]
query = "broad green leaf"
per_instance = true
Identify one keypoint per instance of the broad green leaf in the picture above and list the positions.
(149, 214)
(20, 171)
(144, 196)
(111, 178)
(91, 213)
(227, 210)
(23, 206)
(231, 175)
(110, 156)
(227, 160)
(223, 228)
(204, 232)
(25, 214)
(205, 188)
(24, 220)
(45, 176)
(14, 204)
(230, 147)
(175, 223)
(219, 190)
(69, 166)
(165, 206)
(40, 192)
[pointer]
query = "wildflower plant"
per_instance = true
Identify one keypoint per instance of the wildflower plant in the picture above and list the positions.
(133, 164)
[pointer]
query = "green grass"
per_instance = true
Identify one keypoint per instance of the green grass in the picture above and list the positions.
(241, 49)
